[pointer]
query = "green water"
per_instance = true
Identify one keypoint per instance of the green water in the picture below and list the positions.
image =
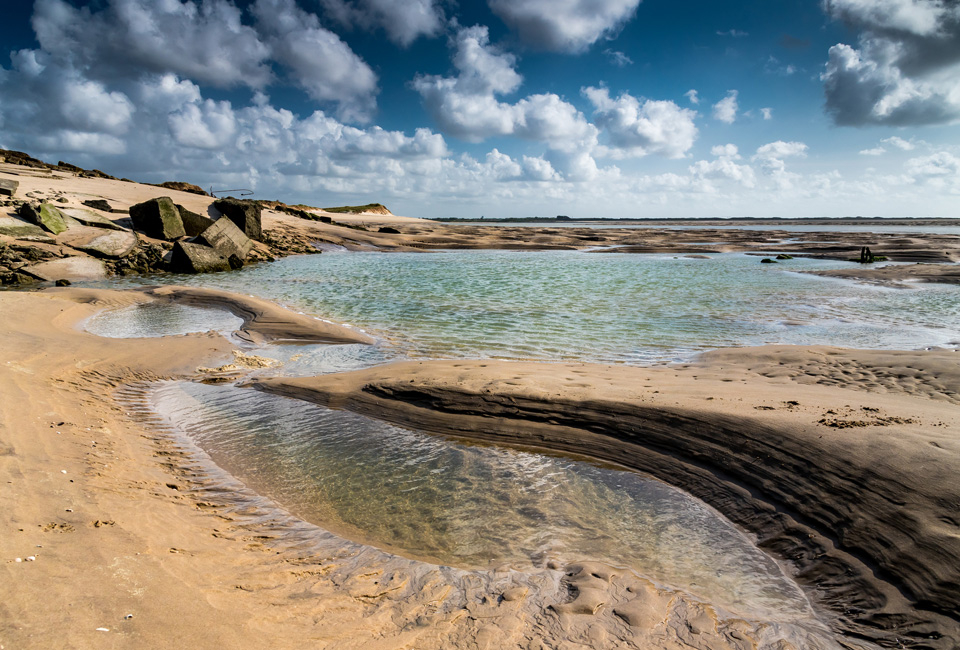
(597, 307)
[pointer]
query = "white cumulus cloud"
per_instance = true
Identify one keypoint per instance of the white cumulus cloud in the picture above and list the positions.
(564, 25)
(404, 21)
(638, 128)
(726, 109)
(905, 69)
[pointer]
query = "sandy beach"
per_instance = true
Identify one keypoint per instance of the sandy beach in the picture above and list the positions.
(117, 532)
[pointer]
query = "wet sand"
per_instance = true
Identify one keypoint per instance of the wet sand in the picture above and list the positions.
(136, 541)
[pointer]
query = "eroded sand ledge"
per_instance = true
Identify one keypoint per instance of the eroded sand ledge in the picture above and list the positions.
(857, 486)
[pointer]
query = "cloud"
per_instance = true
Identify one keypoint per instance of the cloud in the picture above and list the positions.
(467, 107)
(900, 143)
(726, 109)
(639, 129)
(618, 59)
(205, 41)
(733, 33)
(692, 96)
(781, 149)
(404, 22)
(766, 113)
(905, 69)
(317, 60)
(876, 151)
(564, 25)
(941, 165)
(773, 66)
(725, 150)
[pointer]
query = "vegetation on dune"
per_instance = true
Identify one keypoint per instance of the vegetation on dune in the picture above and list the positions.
(377, 208)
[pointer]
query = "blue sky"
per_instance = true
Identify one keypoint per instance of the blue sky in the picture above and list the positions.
(615, 108)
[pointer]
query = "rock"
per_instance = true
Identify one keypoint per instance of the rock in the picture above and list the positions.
(387, 230)
(158, 218)
(195, 258)
(183, 187)
(68, 268)
(103, 206)
(63, 282)
(8, 187)
(21, 229)
(784, 256)
(767, 260)
(46, 216)
(88, 218)
(244, 214)
(193, 223)
(225, 238)
(113, 245)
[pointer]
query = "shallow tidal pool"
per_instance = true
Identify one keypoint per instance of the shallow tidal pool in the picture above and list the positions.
(474, 506)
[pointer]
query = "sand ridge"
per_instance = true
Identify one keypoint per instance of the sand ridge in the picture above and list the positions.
(858, 490)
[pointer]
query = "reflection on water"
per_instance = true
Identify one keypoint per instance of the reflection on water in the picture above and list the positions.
(473, 506)
(612, 307)
(160, 318)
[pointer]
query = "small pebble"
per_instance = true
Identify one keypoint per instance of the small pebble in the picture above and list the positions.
(63, 471)
(103, 629)
(31, 558)
(128, 616)
(69, 509)
(19, 559)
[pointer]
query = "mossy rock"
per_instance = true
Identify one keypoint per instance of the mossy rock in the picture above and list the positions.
(784, 256)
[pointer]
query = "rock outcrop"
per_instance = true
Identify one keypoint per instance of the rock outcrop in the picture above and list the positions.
(244, 214)
(180, 186)
(196, 258)
(158, 218)
(103, 206)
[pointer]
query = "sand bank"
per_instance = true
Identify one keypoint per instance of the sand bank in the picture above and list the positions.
(137, 542)
(843, 462)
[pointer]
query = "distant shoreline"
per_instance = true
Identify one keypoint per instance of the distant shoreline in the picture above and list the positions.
(814, 221)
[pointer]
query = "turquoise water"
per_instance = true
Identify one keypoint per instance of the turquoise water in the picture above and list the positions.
(609, 308)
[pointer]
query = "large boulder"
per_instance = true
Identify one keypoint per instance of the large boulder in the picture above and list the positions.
(196, 258)
(158, 218)
(46, 216)
(225, 238)
(8, 187)
(244, 214)
(89, 218)
(193, 223)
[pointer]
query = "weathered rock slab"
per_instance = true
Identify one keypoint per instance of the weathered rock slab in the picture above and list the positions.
(68, 268)
(225, 238)
(8, 187)
(244, 214)
(193, 223)
(88, 218)
(113, 245)
(158, 218)
(195, 258)
(20, 229)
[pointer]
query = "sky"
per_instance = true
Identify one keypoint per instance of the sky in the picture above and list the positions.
(503, 108)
